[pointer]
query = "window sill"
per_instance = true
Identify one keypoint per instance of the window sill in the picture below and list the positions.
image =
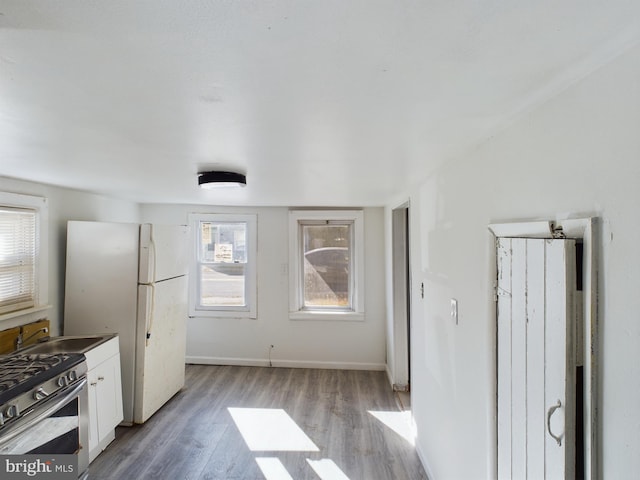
(26, 311)
(222, 314)
(327, 316)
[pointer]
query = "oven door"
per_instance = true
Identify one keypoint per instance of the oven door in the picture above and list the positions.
(57, 426)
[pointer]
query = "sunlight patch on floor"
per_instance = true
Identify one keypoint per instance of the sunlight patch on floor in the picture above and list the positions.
(399, 422)
(327, 469)
(273, 469)
(271, 429)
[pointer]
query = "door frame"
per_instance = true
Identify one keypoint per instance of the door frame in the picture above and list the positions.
(585, 229)
(401, 297)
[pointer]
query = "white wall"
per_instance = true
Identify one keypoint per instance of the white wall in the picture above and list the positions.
(577, 155)
(64, 205)
(242, 341)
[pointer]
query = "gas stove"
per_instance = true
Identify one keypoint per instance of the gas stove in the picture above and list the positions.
(44, 407)
(29, 379)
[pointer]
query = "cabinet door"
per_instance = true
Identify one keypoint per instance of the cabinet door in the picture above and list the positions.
(109, 397)
(94, 440)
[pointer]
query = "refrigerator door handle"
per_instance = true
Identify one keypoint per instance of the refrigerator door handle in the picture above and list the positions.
(148, 262)
(151, 312)
(147, 298)
(152, 257)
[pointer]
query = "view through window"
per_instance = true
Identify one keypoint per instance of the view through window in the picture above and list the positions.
(327, 265)
(222, 263)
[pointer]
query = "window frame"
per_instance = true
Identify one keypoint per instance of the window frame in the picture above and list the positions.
(249, 310)
(39, 205)
(297, 310)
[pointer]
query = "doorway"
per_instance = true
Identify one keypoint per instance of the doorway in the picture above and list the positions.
(401, 361)
(576, 288)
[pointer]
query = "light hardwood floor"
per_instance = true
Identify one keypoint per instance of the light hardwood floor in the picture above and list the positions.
(195, 437)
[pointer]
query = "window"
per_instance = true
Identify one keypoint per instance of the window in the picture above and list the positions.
(23, 272)
(223, 276)
(326, 264)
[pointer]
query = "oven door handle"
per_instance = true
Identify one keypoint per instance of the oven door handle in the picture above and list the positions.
(42, 413)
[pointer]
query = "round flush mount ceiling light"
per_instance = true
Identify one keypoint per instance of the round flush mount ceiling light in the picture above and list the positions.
(221, 179)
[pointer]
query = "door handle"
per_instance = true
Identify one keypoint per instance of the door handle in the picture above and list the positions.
(550, 412)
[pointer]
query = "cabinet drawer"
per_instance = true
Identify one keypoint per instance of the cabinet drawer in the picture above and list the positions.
(102, 352)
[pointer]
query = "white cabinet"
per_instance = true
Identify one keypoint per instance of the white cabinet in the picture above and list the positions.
(105, 394)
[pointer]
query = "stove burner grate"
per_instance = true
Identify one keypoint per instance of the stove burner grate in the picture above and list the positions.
(19, 372)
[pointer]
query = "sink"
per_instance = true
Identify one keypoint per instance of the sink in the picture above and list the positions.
(67, 344)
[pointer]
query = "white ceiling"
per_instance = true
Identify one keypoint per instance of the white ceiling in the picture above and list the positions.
(326, 102)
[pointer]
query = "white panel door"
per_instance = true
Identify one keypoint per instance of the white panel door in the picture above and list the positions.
(536, 360)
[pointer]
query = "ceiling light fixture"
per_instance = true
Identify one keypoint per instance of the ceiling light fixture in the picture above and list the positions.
(218, 179)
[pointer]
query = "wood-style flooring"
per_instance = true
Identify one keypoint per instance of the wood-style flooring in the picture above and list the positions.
(195, 437)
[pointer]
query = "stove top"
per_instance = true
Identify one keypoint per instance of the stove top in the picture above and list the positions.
(20, 372)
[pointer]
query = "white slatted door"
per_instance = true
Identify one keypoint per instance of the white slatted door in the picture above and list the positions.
(536, 367)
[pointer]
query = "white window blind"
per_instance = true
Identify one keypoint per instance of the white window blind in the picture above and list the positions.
(17, 259)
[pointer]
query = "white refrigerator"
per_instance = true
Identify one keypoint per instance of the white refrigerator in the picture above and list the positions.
(131, 279)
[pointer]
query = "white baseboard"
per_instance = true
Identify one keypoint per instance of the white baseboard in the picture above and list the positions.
(259, 362)
(241, 362)
(424, 462)
(389, 375)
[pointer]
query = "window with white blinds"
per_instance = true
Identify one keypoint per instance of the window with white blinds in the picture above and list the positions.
(18, 247)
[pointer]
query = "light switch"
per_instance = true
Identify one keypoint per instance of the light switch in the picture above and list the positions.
(454, 310)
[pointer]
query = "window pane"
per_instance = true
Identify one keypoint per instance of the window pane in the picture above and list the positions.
(327, 266)
(222, 285)
(223, 259)
(223, 242)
